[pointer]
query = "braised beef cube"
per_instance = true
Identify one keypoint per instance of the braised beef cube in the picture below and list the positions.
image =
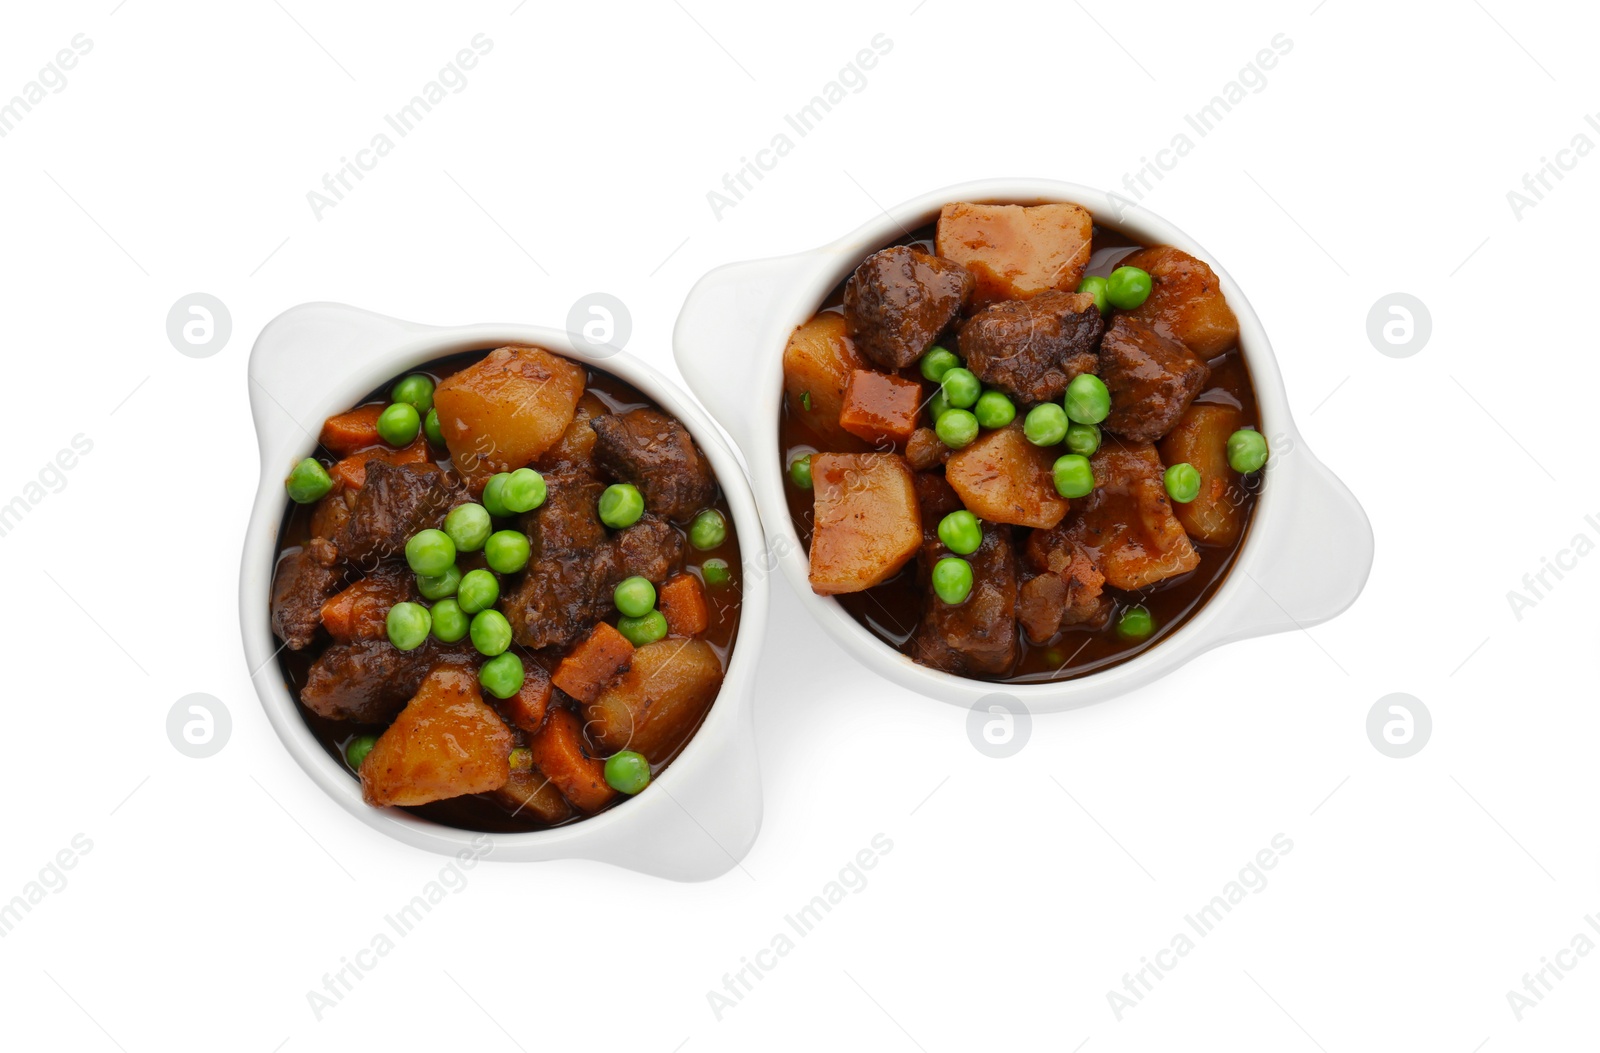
(301, 584)
(979, 635)
(655, 453)
(370, 681)
(569, 520)
(936, 498)
(1152, 379)
(396, 501)
(652, 548)
(563, 591)
(926, 450)
(1066, 588)
(1031, 349)
(899, 300)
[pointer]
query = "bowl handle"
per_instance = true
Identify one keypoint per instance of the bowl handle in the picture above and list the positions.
(717, 339)
(1305, 576)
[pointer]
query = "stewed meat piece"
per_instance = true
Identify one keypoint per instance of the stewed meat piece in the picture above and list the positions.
(1125, 525)
(396, 501)
(899, 300)
(369, 681)
(558, 598)
(1065, 588)
(655, 453)
(978, 635)
(1031, 349)
(1152, 379)
(302, 583)
(651, 549)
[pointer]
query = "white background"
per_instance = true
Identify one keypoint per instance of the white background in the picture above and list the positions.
(1377, 158)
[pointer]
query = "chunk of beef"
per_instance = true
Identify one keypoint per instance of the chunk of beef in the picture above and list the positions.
(655, 453)
(926, 450)
(1065, 588)
(899, 300)
(1031, 349)
(560, 595)
(1125, 526)
(978, 635)
(1152, 379)
(396, 501)
(652, 548)
(1186, 301)
(301, 584)
(369, 681)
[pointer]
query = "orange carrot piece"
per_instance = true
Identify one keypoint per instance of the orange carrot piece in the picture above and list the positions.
(345, 433)
(588, 667)
(560, 752)
(683, 603)
(526, 708)
(880, 407)
(352, 471)
(360, 611)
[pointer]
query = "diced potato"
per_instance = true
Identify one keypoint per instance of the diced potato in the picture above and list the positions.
(445, 743)
(526, 708)
(560, 752)
(683, 604)
(588, 667)
(1186, 302)
(867, 522)
(352, 471)
(345, 433)
(502, 412)
(1016, 251)
(1201, 439)
(532, 793)
(817, 365)
(654, 706)
(880, 408)
(1004, 478)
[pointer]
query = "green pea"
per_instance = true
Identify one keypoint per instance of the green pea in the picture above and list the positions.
(357, 750)
(478, 591)
(716, 572)
(449, 621)
(506, 551)
(1135, 623)
(952, 579)
(1083, 438)
(501, 675)
(1183, 482)
(430, 552)
(430, 428)
(961, 532)
(956, 428)
(1095, 286)
(438, 586)
(627, 772)
(399, 423)
(494, 495)
(1128, 287)
(1247, 451)
(524, 491)
(708, 530)
(961, 387)
(635, 597)
(621, 505)
(408, 625)
(1073, 476)
(1045, 424)
(491, 633)
(469, 526)
(937, 362)
(800, 472)
(938, 406)
(308, 482)
(1087, 401)
(416, 391)
(994, 410)
(640, 631)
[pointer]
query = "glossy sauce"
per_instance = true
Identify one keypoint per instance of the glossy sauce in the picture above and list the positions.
(892, 610)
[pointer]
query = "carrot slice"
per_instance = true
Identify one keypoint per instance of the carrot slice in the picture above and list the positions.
(352, 471)
(526, 708)
(345, 433)
(683, 603)
(586, 670)
(559, 751)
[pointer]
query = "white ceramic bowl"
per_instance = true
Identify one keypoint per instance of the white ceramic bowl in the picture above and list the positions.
(700, 817)
(1304, 560)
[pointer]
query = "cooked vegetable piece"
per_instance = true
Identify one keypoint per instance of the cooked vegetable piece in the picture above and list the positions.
(416, 390)
(526, 708)
(1004, 478)
(357, 750)
(634, 596)
(994, 410)
(717, 572)
(709, 530)
(1046, 424)
(351, 472)
(867, 522)
(1247, 450)
(952, 579)
(621, 505)
(937, 362)
(1135, 623)
(450, 622)
(345, 433)
(430, 551)
(1016, 251)
(1088, 400)
(1073, 476)
(399, 424)
(961, 532)
(524, 491)
(817, 364)
(1186, 301)
(647, 628)
(503, 411)
(1095, 286)
(1127, 288)
(654, 705)
(490, 632)
(800, 471)
(408, 625)
(956, 428)
(477, 591)
(961, 388)
(445, 743)
(1182, 481)
(899, 300)
(506, 551)
(592, 664)
(880, 408)
(469, 526)
(1031, 349)
(627, 772)
(1215, 516)
(532, 793)
(683, 603)
(1151, 379)
(359, 611)
(560, 752)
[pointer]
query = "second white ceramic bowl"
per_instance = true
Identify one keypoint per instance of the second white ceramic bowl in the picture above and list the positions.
(1304, 560)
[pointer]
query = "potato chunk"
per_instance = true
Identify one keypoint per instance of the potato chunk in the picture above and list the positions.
(445, 743)
(1186, 302)
(817, 365)
(1016, 251)
(880, 408)
(502, 412)
(1201, 439)
(867, 521)
(653, 707)
(532, 793)
(1004, 478)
